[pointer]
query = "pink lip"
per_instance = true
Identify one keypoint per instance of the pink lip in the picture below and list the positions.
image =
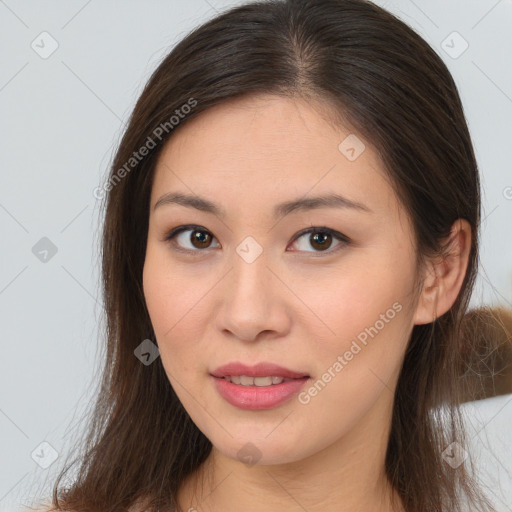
(257, 398)
(258, 370)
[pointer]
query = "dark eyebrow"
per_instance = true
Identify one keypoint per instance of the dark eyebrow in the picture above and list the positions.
(280, 210)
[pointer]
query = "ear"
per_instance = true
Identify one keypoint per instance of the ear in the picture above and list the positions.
(444, 277)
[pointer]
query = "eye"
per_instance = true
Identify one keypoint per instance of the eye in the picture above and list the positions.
(196, 236)
(321, 238)
(192, 239)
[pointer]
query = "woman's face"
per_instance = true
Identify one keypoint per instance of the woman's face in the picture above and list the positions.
(246, 284)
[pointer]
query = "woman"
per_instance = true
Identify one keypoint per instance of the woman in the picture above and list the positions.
(292, 220)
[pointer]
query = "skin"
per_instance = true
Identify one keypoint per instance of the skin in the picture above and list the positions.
(296, 305)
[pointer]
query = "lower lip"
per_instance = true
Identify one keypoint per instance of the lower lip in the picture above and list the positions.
(258, 398)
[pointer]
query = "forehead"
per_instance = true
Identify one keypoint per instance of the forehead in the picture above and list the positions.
(270, 148)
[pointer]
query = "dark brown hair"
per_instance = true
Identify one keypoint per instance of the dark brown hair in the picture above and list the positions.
(376, 75)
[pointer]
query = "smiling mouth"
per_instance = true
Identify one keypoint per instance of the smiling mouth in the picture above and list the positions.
(260, 392)
(246, 380)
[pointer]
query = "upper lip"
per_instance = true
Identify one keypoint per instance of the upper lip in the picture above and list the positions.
(257, 370)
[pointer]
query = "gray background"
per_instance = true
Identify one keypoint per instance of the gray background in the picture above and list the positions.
(61, 118)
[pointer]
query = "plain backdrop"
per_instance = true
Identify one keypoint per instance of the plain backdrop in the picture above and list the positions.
(70, 74)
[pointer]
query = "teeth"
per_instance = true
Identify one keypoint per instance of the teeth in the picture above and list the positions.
(263, 381)
(245, 380)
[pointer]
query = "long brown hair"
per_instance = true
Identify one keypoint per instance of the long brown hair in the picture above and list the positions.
(375, 73)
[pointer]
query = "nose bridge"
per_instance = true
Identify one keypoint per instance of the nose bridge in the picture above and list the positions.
(249, 280)
(249, 301)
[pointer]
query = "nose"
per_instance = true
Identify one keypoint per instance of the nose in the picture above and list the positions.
(253, 302)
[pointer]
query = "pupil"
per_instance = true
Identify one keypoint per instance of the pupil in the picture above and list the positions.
(201, 237)
(323, 238)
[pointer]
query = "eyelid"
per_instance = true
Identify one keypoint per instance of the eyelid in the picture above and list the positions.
(173, 233)
(343, 239)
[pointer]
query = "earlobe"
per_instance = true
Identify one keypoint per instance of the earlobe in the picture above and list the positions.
(444, 276)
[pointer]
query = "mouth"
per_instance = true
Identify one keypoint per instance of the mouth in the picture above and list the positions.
(261, 374)
(262, 386)
(246, 380)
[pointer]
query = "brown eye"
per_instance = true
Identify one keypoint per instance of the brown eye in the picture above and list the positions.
(194, 239)
(198, 239)
(321, 241)
(191, 238)
(203, 239)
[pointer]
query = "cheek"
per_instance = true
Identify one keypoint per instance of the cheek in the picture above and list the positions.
(175, 304)
(362, 313)
(158, 300)
(361, 360)
(357, 294)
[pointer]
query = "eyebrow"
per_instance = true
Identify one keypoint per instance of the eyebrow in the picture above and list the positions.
(280, 210)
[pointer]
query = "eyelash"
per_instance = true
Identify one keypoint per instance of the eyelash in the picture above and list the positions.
(321, 230)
